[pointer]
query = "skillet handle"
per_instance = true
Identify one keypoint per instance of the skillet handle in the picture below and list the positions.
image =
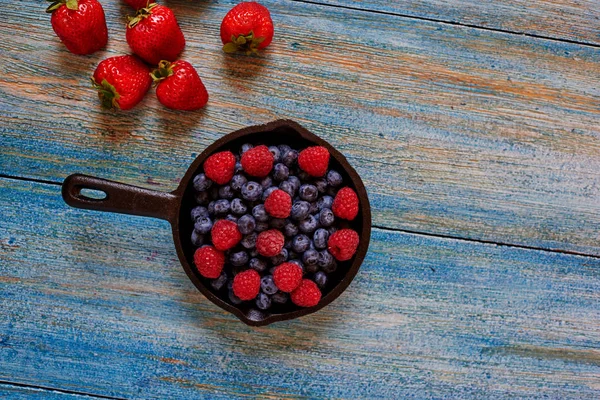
(120, 198)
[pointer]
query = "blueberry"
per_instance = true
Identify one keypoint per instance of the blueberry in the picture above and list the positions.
(287, 187)
(287, 244)
(198, 212)
(203, 225)
(266, 182)
(232, 218)
(201, 183)
(267, 285)
(238, 167)
(280, 298)
(320, 279)
(251, 191)
(276, 153)
(283, 148)
(245, 147)
(300, 243)
(202, 198)
(222, 206)
(325, 259)
(261, 227)
(314, 208)
(246, 224)
(249, 241)
(280, 172)
(325, 202)
(277, 223)
(197, 238)
(233, 298)
(263, 301)
(289, 157)
(326, 217)
(295, 182)
(308, 192)
(237, 182)
(257, 264)
(334, 178)
(239, 258)
(298, 263)
(267, 192)
(321, 185)
(320, 238)
(308, 225)
(290, 229)
(332, 230)
(260, 214)
(211, 208)
(238, 207)
(280, 258)
(300, 210)
(329, 268)
(310, 258)
(226, 192)
(220, 282)
(214, 193)
(304, 176)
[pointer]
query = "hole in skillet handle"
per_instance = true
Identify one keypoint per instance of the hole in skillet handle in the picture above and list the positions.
(297, 137)
(91, 194)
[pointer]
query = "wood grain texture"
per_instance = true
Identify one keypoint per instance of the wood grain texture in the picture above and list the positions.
(12, 392)
(574, 20)
(98, 303)
(455, 131)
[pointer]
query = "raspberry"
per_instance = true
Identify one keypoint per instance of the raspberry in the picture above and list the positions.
(278, 204)
(269, 243)
(307, 294)
(343, 244)
(314, 160)
(246, 284)
(287, 276)
(345, 204)
(258, 161)
(209, 261)
(220, 167)
(225, 234)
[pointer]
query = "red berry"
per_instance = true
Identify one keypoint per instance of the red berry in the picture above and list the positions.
(307, 294)
(342, 244)
(278, 204)
(154, 34)
(80, 25)
(314, 160)
(122, 81)
(269, 243)
(179, 86)
(137, 4)
(258, 161)
(247, 27)
(225, 234)
(246, 284)
(220, 167)
(209, 261)
(345, 204)
(287, 276)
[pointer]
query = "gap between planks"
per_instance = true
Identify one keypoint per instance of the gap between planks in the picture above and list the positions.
(454, 23)
(410, 232)
(56, 390)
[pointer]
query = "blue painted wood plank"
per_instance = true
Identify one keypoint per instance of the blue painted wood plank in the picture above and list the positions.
(13, 392)
(98, 303)
(456, 131)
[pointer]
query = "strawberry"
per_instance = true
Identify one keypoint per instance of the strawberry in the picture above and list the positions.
(154, 35)
(247, 27)
(121, 81)
(179, 86)
(80, 24)
(137, 4)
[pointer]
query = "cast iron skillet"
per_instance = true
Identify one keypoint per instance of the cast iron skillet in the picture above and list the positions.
(175, 207)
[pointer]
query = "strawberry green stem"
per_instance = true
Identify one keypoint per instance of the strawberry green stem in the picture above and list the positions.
(56, 4)
(141, 14)
(164, 70)
(245, 43)
(107, 94)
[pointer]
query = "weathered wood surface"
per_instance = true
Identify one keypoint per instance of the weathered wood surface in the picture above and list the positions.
(10, 392)
(456, 131)
(574, 20)
(98, 303)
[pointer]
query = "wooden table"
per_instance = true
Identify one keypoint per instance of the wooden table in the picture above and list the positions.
(476, 128)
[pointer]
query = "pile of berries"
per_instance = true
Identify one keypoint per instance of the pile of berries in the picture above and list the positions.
(272, 224)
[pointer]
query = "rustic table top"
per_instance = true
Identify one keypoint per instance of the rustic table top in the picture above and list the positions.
(475, 127)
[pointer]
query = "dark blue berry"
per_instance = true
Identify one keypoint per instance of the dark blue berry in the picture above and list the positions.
(321, 185)
(310, 257)
(266, 182)
(314, 208)
(237, 182)
(198, 212)
(259, 213)
(233, 298)
(300, 210)
(202, 198)
(300, 243)
(257, 264)
(308, 225)
(280, 298)
(332, 230)
(222, 206)
(326, 217)
(263, 301)
(211, 208)
(246, 224)
(329, 268)
(287, 187)
(249, 241)
(289, 157)
(203, 225)
(226, 192)
(283, 148)
(276, 153)
(201, 183)
(261, 226)
(325, 259)
(303, 176)
(325, 202)
(253, 253)
(239, 258)
(295, 182)
(232, 218)
(245, 147)
(197, 238)
(238, 166)
(290, 229)
(277, 223)
(251, 191)
(334, 178)
(268, 191)
(238, 207)
(320, 279)
(287, 244)
(280, 172)
(308, 192)
(320, 238)
(220, 282)
(280, 258)
(267, 285)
